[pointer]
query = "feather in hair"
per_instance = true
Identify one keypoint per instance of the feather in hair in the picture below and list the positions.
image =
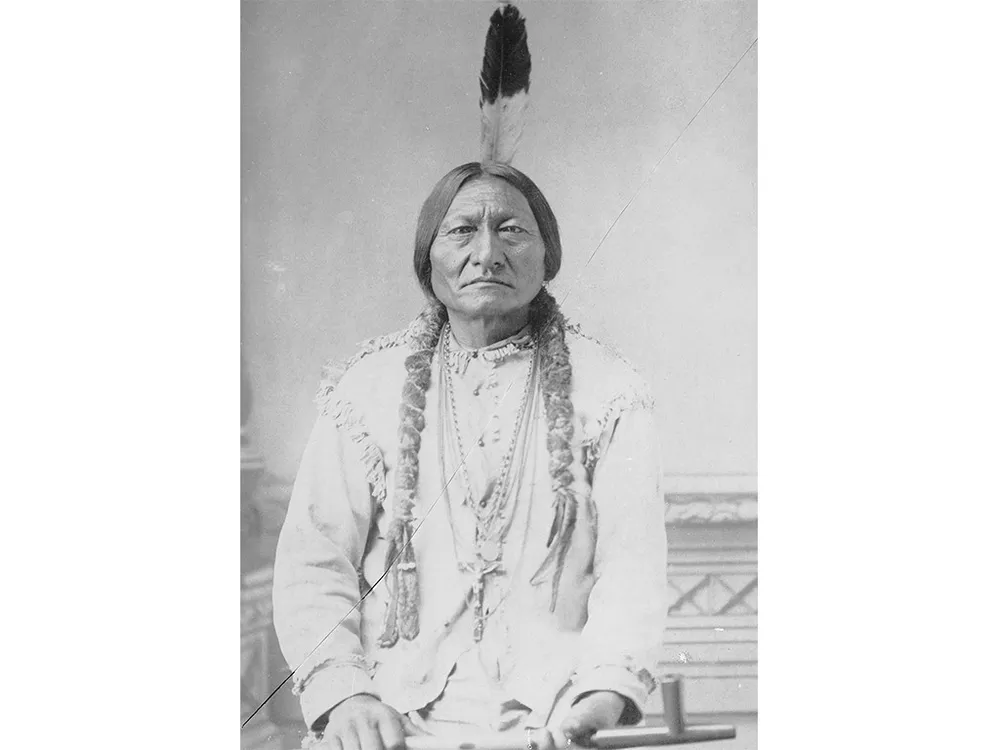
(503, 86)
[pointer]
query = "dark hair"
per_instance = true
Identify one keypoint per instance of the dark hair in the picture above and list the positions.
(442, 195)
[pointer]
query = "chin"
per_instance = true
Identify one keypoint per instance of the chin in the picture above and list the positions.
(491, 304)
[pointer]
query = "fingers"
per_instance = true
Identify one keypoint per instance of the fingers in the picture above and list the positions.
(598, 710)
(410, 729)
(365, 723)
(578, 727)
(349, 739)
(560, 741)
(370, 737)
(392, 732)
(579, 719)
(542, 739)
(577, 731)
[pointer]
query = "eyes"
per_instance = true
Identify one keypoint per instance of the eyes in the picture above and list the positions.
(466, 229)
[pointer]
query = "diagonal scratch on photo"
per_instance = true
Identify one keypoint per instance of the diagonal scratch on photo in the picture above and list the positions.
(499, 375)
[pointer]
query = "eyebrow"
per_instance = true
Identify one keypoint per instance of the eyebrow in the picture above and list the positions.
(475, 217)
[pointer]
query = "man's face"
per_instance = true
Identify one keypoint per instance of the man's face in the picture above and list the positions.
(488, 259)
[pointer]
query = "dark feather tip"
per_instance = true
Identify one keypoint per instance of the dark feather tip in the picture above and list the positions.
(506, 60)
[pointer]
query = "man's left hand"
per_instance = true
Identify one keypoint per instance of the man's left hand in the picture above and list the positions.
(594, 711)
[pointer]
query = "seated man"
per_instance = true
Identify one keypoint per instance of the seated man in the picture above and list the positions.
(515, 576)
(516, 579)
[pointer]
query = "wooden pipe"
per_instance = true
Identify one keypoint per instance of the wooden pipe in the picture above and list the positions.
(674, 731)
(608, 739)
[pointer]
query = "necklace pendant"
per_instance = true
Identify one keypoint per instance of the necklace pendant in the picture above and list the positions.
(489, 551)
(479, 623)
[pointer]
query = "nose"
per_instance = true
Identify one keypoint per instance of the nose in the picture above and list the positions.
(487, 252)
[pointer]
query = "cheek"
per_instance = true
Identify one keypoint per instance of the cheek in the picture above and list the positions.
(445, 272)
(439, 262)
(531, 261)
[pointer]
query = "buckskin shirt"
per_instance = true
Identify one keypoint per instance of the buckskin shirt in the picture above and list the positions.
(531, 663)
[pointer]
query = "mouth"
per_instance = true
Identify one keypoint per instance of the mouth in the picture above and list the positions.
(487, 282)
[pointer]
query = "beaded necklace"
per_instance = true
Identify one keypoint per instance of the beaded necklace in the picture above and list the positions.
(488, 511)
(494, 513)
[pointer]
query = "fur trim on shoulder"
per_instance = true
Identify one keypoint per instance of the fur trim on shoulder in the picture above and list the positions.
(346, 419)
(634, 394)
(619, 404)
(575, 329)
(334, 370)
(637, 398)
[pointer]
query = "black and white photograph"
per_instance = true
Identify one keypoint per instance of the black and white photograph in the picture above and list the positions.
(530, 302)
(499, 374)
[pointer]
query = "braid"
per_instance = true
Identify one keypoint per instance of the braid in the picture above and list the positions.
(556, 383)
(401, 615)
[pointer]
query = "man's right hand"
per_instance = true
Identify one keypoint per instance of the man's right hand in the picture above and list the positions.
(363, 722)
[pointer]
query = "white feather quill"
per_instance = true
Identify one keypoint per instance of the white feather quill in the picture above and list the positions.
(503, 86)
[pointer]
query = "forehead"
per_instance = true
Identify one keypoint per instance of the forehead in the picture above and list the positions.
(492, 195)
